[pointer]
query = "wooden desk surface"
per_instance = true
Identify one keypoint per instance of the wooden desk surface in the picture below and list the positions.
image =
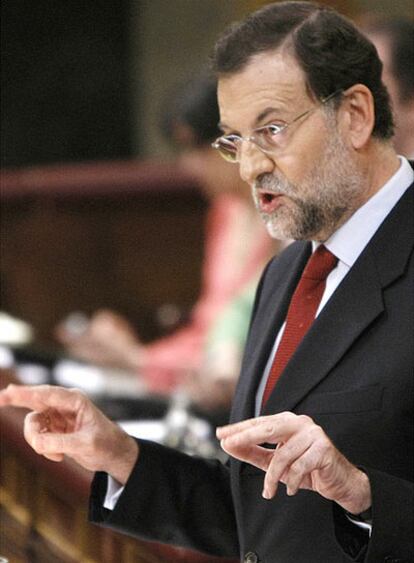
(43, 509)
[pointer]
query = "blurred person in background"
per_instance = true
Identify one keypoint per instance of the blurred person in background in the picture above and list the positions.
(321, 433)
(204, 356)
(394, 41)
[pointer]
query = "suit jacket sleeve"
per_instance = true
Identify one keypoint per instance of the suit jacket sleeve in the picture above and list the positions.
(392, 523)
(172, 498)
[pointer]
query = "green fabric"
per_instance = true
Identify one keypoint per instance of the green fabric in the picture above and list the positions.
(233, 323)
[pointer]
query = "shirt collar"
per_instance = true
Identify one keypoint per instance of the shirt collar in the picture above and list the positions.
(351, 238)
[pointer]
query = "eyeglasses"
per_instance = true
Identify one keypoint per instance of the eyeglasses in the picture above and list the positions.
(267, 138)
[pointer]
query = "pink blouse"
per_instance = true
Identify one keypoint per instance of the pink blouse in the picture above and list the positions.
(236, 249)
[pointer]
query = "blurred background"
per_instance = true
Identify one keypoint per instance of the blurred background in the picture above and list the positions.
(85, 80)
(126, 245)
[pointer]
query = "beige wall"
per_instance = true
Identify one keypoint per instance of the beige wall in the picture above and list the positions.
(387, 7)
(174, 39)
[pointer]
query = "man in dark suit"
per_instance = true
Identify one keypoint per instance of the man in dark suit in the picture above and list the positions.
(320, 440)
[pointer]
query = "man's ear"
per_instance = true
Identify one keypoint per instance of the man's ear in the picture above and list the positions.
(358, 115)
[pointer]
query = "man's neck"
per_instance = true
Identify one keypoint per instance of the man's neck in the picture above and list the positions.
(381, 165)
(377, 164)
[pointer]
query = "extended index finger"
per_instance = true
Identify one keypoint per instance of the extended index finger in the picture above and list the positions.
(231, 429)
(39, 397)
(286, 421)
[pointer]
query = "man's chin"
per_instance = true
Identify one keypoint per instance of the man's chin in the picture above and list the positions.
(280, 227)
(278, 231)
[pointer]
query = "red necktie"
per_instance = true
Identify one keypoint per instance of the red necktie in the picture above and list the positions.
(302, 311)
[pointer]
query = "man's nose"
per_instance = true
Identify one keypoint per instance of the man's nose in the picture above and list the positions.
(253, 162)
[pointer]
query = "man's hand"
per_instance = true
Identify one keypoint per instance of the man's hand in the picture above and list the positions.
(65, 422)
(304, 458)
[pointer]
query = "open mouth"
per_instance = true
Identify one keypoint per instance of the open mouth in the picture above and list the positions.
(268, 201)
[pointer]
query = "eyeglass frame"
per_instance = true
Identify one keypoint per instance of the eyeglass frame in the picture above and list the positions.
(280, 129)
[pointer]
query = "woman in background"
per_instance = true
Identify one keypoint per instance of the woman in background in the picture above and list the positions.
(204, 356)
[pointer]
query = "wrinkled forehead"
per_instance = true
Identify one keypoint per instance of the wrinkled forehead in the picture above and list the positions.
(272, 80)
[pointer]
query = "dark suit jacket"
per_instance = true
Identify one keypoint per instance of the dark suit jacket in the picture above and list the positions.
(353, 374)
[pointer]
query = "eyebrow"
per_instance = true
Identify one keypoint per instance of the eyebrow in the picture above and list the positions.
(261, 117)
(265, 113)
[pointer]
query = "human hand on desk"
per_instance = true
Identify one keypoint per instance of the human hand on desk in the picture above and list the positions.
(210, 391)
(304, 458)
(106, 339)
(212, 387)
(65, 422)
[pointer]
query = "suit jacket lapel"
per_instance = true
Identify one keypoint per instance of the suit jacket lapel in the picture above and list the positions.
(268, 318)
(356, 303)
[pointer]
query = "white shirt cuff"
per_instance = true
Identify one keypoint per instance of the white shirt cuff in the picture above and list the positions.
(113, 492)
(364, 525)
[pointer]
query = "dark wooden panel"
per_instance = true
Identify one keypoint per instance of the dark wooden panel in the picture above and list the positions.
(122, 235)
